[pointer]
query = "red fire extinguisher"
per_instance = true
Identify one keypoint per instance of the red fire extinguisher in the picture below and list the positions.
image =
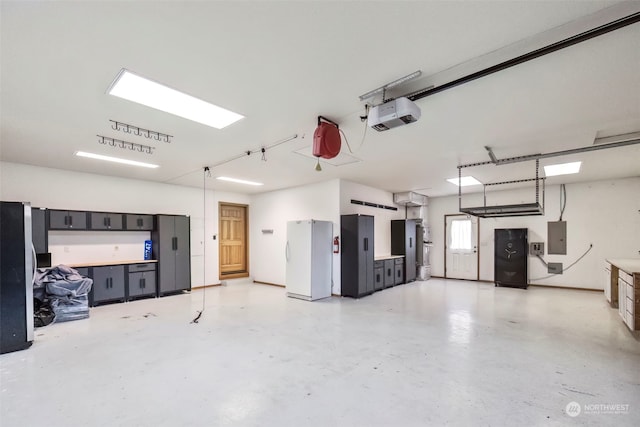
(336, 245)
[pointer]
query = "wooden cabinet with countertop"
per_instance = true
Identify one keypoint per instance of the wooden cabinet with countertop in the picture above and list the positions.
(622, 289)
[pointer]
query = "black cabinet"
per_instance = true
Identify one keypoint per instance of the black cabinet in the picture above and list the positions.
(399, 271)
(16, 289)
(510, 257)
(142, 280)
(67, 220)
(403, 242)
(139, 222)
(108, 284)
(378, 275)
(39, 233)
(357, 274)
(171, 248)
(106, 221)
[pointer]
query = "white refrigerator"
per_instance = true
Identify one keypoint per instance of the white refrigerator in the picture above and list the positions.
(308, 253)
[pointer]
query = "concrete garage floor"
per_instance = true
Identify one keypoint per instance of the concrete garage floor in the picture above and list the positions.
(440, 352)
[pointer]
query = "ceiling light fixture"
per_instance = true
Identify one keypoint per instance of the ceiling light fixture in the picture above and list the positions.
(464, 181)
(115, 159)
(132, 87)
(239, 181)
(562, 169)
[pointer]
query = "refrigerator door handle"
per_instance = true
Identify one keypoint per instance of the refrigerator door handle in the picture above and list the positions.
(286, 251)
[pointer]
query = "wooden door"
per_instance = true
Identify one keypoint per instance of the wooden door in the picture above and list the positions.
(233, 241)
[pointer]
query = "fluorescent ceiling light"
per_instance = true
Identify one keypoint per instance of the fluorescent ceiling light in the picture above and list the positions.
(239, 181)
(132, 87)
(562, 169)
(465, 181)
(115, 159)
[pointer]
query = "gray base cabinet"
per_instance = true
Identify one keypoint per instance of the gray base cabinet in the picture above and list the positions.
(378, 275)
(171, 247)
(389, 273)
(399, 270)
(108, 284)
(142, 280)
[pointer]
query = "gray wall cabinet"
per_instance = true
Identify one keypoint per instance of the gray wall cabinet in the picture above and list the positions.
(357, 273)
(67, 220)
(171, 243)
(139, 222)
(106, 221)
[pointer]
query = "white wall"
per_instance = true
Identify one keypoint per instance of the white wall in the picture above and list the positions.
(605, 213)
(382, 217)
(272, 210)
(59, 189)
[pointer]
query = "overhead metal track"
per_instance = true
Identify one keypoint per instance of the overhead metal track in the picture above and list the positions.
(545, 50)
(529, 157)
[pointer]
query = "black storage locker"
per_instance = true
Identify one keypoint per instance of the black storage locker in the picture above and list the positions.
(357, 270)
(403, 242)
(510, 257)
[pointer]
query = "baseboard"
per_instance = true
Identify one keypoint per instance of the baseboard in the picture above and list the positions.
(267, 283)
(234, 275)
(566, 287)
(206, 286)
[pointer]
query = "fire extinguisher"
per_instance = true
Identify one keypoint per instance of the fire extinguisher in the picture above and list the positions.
(336, 245)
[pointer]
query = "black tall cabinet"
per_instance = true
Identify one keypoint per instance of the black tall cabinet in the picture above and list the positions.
(356, 232)
(171, 247)
(403, 242)
(16, 289)
(510, 257)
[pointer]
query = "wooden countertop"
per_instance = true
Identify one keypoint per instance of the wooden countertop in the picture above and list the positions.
(101, 263)
(628, 265)
(383, 257)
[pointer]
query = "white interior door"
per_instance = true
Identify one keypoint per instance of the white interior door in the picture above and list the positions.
(461, 250)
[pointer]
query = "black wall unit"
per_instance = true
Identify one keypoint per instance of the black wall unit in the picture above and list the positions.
(510, 258)
(105, 221)
(171, 243)
(403, 242)
(357, 272)
(16, 290)
(139, 222)
(67, 220)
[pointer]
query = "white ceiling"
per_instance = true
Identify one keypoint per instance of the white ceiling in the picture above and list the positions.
(281, 64)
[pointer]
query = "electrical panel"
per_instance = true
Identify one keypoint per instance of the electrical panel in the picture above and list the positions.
(557, 238)
(536, 248)
(555, 268)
